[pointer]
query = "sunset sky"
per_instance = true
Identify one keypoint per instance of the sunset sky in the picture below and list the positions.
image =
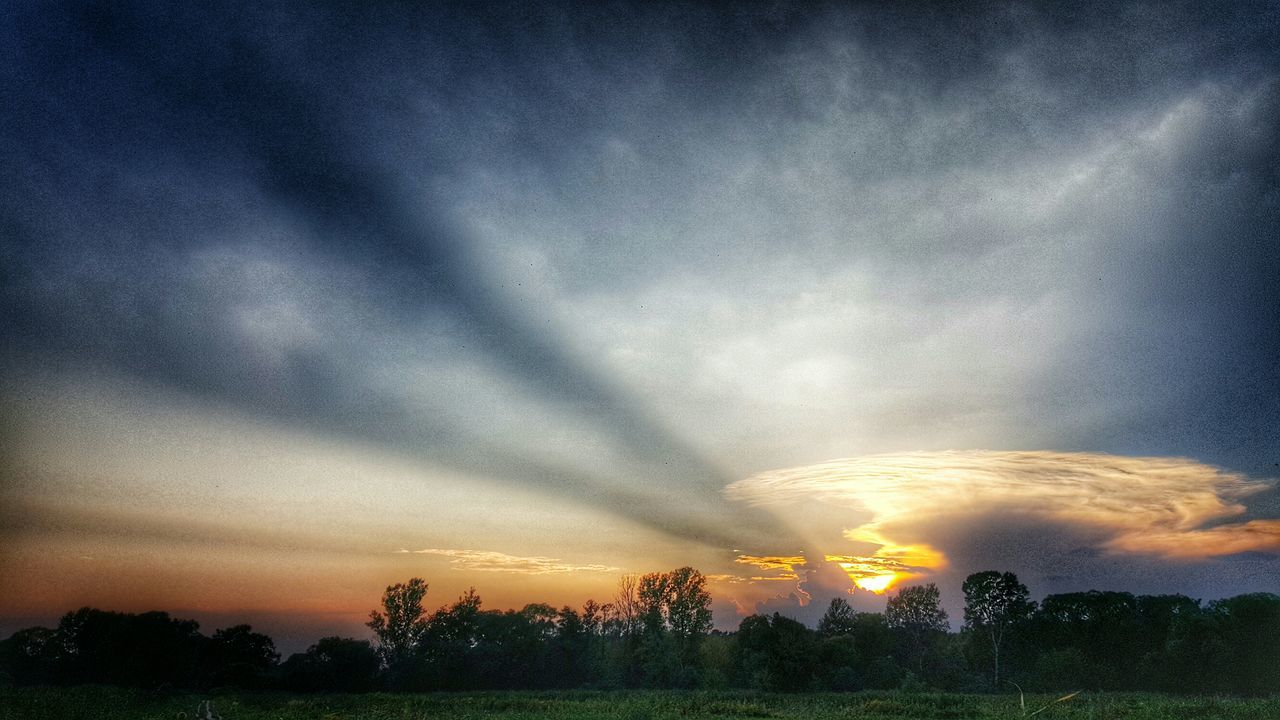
(822, 301)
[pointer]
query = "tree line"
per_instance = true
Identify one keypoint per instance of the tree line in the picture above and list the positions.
(656, 632)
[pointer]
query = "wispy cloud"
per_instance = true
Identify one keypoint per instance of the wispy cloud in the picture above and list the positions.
(489, 561)
(787, 564)
(726, 578)
(1169, 507)
(1252, 536)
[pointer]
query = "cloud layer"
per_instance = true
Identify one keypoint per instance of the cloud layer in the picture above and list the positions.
(611, 260)
(490, 561)
(1171, 508)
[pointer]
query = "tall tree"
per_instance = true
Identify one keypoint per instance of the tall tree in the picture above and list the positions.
(917, 612)
(449, 643)
(777, 653)
(239, 656)
(402, 622)
(994, 603)
(675, 615)
(626, 606)
(917, 607)
(625, 623)
(688, 608)
(839, 619)
(653, 593)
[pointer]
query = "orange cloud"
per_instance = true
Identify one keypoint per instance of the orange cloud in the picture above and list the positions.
(1252, 536)
(786, 563)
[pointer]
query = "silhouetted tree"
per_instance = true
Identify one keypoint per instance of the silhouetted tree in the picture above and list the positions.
(793, 658)
(627, 611)
(401, 623)
(1190, 648)
(447, 657)
(916, 613)
(657, 655)
(595, 623)
(995, 603)
(503, 650)
(333, 664)
(653, 593)
(572, 644)
(1090, 640)
(144, 650)
(238, 656)
(778, 653)
(31, 657)
(838, 619)
(1158, 616)
(874, 641)
(838, 660)
(625, 624)
(675, 615)
(688, 610)
(860, 656)
(1248, 631)
(1099, 633)
(717, 656)
(755, 642)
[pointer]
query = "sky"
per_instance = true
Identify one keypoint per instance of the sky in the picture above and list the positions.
(822, 300)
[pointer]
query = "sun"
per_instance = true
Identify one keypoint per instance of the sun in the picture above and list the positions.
(889, 567)
(876, 583)
(875, 575)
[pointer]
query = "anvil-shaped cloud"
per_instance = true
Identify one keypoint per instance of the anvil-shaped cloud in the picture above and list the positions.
(1174, 508)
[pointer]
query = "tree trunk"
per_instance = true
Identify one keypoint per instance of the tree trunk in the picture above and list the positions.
(997, 649)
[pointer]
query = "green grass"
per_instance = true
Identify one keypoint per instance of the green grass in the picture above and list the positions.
(102, 703)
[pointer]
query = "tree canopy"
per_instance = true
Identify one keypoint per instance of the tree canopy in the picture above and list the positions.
(660, 636)
(994, 604)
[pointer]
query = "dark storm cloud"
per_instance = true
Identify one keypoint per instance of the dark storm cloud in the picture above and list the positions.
(1185, 309)
(1052, 557)
(110, 97)
(1164, 257)
(1202, 331)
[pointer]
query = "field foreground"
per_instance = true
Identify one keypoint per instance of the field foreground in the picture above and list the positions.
(104, 703)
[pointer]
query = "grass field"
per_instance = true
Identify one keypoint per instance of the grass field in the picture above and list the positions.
(100, 703)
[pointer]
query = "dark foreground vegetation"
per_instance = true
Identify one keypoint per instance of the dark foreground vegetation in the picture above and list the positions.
(656, 634)
(104, 703)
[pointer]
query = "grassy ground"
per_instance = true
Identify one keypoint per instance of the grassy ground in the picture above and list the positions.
(98, 703)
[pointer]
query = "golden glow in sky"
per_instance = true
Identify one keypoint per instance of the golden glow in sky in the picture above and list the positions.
(889, 567)
(337, 522)
(787, 564)
(1170, 507)
(875, 583)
